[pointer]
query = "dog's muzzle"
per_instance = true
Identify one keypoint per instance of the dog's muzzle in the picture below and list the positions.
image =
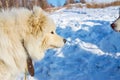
(113, 25)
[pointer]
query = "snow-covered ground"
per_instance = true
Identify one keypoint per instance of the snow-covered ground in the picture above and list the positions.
(62, 2)
(100, 1)
(92, 51)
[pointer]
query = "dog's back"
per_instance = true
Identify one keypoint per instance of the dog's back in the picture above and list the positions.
(12, 55)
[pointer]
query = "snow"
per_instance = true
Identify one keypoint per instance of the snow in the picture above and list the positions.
(92, 51)
(57, 3)
(100, 1)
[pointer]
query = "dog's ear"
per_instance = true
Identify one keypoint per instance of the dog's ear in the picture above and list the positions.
(37, 10)
(38, 20)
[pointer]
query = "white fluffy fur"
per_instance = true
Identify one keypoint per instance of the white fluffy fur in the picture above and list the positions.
(32, 26)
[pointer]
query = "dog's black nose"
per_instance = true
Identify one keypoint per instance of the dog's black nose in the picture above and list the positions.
(113, 25)
(64, 40)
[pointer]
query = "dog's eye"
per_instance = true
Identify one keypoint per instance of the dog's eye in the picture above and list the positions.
(52, 32)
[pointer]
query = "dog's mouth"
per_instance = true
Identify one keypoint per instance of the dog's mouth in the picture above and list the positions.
(53, 46)
(116, 30)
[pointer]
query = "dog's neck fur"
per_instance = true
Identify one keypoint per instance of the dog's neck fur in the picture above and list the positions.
(30, 67)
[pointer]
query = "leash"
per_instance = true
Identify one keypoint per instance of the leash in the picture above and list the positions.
(25, 74)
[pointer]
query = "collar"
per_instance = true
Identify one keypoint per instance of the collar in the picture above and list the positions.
(30, 66)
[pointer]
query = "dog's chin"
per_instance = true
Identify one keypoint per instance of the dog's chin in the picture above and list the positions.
(116, 30)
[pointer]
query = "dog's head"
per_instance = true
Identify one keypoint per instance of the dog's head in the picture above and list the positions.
(45, 30)
(50, 38)
(116, 25)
